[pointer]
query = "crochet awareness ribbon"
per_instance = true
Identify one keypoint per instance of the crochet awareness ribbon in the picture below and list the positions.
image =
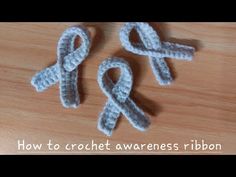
(156, 50)
(65, 71)
(118, 98)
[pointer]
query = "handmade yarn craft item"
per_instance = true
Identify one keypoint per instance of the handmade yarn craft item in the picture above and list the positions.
(118, 97)
(65, 71)
(156, 50)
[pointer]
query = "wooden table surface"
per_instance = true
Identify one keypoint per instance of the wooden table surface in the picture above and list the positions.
(200, 104)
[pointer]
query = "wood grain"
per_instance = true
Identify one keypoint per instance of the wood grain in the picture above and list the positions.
(200, 104)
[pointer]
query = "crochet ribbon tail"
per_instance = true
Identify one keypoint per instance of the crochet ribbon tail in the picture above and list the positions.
(178, 51)
(108, 118)
(161, 70)
(69, 89)
(45, 78)
(135, 115)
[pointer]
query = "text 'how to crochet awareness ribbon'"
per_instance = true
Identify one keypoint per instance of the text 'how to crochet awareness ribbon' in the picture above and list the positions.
(118, 97)
(156, 50)
(66, 69)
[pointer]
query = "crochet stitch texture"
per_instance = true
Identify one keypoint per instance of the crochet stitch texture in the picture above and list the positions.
(118, 97)
(156, 50)
(65, 71)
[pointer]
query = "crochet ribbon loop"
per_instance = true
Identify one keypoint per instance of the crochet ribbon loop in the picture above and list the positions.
(156, 50)
(65, 71)
(118, 97)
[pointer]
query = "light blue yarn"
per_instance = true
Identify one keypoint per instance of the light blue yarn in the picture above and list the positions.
(118, 98)
(156, 50)
(65, 71)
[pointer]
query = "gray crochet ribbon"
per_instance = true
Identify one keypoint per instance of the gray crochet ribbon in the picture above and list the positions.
(118, 97)
(65, 71)
(156, 50)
